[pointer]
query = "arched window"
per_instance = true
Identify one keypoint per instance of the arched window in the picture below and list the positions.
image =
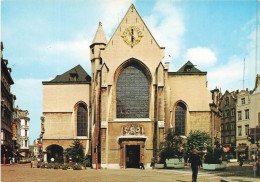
(132, 93)
(82, 120)
(180, 117)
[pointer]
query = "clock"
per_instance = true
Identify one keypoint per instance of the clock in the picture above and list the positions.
(132, 35)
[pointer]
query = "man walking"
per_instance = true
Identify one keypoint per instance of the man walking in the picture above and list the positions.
(195, 164)
(142, 161)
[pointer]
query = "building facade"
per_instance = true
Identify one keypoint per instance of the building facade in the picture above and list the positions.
(228, 119)
(34, 149)
(243, 122)
(16, 131)
(131, 99)
(7, 99)
(255, 105)
(66, 105)
(24, 137)
(255, 119)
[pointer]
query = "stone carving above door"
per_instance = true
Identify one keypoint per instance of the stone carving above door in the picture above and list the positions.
(132, 129)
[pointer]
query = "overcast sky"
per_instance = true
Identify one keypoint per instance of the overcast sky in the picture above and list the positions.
(45, 38)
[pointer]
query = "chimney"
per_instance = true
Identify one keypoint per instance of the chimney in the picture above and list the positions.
(167, 65)
(257, 80)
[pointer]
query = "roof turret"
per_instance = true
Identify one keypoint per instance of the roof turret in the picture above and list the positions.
(100, 37)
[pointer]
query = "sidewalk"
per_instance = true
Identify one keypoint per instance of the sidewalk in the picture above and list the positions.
(24, 173)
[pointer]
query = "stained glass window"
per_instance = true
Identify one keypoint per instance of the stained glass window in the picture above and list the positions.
(132, 93)
(82, 119)
(180, 116)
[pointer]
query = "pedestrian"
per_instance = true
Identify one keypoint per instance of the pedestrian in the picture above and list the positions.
(257, 167)
(10, 160)
(142, 161)
(240, 160)
(31, 162)
(195, 164)
(152, 162)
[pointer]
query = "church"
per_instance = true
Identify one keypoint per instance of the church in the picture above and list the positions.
(122, 110)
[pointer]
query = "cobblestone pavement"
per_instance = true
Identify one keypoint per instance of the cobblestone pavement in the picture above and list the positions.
(23, 173)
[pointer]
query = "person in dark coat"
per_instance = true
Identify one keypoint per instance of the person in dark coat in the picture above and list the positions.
(142, 161)
(152, 162)
(195, 164)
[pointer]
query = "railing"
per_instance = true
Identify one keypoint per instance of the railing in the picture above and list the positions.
(24, 127)
(24, 137)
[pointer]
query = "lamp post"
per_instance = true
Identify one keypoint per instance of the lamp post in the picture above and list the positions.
(96, 157)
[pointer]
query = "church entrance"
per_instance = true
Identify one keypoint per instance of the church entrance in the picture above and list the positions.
(132, 156)
(130, 151)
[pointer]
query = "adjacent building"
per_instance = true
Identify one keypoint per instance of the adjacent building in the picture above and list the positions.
(255, 105)
(243, 122)
(16, 131)
(34, 149)
(24, 137)
(7, 99)
(255, 118)
(228, 118)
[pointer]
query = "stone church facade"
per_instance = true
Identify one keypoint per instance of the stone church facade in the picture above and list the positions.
(129, 101)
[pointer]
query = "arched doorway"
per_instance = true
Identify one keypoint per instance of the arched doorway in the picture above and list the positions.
(56, 152)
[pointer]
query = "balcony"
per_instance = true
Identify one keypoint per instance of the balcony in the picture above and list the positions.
(24, 137)
(24, 127)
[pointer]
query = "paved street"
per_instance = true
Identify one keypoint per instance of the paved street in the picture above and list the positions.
(23, 173)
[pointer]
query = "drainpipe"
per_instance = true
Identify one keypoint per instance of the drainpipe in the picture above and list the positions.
(171, 119)
(212, 127)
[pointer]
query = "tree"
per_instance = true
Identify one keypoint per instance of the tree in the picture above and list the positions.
(213, 156)
(76, 151)
(171, 147)
(197, 140)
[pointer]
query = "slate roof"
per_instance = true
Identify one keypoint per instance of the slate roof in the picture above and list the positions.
(189, 65)
(78, 71)
(188, 69)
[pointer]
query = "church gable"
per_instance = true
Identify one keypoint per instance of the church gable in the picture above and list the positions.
(132, 32)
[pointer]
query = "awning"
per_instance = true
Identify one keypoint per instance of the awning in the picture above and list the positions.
(241, 148)
(253, 148)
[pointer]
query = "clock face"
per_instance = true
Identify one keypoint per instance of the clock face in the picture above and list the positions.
(132, 35)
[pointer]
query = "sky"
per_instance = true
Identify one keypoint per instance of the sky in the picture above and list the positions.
(46, 38)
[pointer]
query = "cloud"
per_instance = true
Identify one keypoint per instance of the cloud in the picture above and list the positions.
(77, 50)
(65, 54)
(231, 75)
(228, 76)
(29, 97)
(29, 90)
(112, 13)
(167, 26)
(201, 56)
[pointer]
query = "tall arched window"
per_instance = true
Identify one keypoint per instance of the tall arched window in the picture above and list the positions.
(82, 120)
(132, 93)
(180, 117)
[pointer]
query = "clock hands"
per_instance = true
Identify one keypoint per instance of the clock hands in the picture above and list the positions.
(133, 39)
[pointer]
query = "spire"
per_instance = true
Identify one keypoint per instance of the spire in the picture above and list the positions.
(100, 37)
